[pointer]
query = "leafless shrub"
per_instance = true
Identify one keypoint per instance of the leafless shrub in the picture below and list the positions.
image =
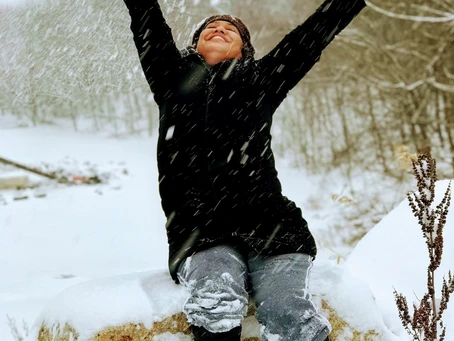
(428, 314)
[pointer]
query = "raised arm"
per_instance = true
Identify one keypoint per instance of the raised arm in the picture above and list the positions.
(153, 38)
(297, 53)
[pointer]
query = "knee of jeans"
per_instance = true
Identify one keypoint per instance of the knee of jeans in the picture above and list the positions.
(217, 304)
(213, 293)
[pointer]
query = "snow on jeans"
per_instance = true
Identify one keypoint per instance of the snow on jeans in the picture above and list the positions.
(217, 280)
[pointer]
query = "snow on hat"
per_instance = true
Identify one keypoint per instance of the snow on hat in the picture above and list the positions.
(248, 50)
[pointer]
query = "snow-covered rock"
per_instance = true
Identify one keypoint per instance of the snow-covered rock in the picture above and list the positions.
(393, 255)
(148, 305)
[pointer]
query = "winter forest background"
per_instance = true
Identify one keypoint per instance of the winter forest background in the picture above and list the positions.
(383, 84)
(383, 89)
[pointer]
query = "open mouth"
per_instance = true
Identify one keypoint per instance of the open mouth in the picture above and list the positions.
(218, 38)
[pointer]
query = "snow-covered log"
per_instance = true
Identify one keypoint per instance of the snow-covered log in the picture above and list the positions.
(147, 306)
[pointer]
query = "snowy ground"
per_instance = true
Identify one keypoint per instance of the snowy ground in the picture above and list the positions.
(78, 233)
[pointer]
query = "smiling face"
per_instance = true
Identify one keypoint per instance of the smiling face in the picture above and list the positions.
(220, 40)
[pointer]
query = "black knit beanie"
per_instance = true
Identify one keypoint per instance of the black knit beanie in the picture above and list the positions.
(248, 50)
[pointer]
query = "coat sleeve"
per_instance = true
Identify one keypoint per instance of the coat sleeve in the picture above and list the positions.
(153, 38)
(282, 68)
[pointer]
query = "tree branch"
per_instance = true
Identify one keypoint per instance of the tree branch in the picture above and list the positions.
(444, 87)
(446, 18)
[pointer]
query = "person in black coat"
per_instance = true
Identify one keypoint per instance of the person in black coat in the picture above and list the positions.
(228, 224)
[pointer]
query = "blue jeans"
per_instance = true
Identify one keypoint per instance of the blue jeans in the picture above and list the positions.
(218, 279)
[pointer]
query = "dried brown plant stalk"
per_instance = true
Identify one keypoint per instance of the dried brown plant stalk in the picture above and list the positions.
(427, 316)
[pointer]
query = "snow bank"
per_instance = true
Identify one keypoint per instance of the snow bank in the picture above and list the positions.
(138, 301)
(141, 298)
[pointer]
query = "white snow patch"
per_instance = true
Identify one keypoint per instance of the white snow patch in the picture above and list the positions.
(135, 298)
(170, 132)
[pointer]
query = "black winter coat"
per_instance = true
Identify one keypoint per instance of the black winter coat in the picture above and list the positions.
(217, 176)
